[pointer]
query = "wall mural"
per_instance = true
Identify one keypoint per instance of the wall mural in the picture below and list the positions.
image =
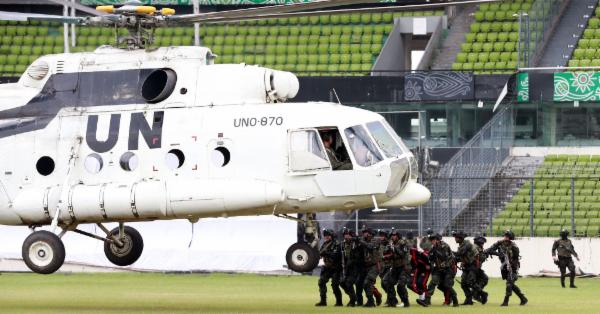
(439, 86)
(581, 86)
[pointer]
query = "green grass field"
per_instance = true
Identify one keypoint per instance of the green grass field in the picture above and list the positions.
(222, 293)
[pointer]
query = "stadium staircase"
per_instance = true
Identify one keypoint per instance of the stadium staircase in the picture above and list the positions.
(567, 33)
(451, 45)
(587, 52)
(491, 44)
(317, 45)
(475, 219)
(552, 199)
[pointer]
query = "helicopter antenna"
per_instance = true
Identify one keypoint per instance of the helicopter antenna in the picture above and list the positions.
(336, 96)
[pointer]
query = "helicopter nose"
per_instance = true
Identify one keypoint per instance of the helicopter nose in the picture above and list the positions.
(413, 194)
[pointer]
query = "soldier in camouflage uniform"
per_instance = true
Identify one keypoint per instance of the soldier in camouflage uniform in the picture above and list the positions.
(398, 276)
(466, 255)
(442, 275)
(330, 252)
(481, 278)
(410, 240)
(350, 267)
(508, 252)
(372, 265)
(425, 243)
(386, 263)
(564, 260)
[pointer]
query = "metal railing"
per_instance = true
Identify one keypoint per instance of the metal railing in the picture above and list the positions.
(461, 179)
(534, 27)
(533, 206)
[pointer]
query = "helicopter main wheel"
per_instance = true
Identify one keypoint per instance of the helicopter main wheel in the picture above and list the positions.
(129, 252)
(43, 252)
(301, 257)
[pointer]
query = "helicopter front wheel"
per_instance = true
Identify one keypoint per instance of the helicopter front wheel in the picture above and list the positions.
(302, 258)
(43, 252)
(128, 251)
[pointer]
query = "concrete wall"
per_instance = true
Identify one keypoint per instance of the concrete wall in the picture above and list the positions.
(543, 151)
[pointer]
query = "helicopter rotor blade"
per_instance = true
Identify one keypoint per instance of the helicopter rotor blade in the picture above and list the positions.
(15, 16)
(292, 11)
(77, 6)
(243, 14)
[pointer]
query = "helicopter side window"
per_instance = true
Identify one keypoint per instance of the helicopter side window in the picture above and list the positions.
(335, 149)
(364, 150)
(307, 152)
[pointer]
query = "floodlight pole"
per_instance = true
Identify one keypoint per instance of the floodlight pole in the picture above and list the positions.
(66, 29)
(73, 38)
(196, 25)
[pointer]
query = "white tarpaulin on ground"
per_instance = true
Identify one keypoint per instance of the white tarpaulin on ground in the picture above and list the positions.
(232, 244)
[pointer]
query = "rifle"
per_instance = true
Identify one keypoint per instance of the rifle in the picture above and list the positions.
(503, 255)
(343, 251)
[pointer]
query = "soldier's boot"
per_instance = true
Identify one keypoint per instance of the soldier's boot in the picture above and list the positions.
(520, 295)
(562, 280)
(468, 301)
(484, 297)
(426, 302)
(369, 303)
(323, 302)
(572, 280)
(359, 299)
(455, 300)
(378, 296)
(338, 298)
(405, 301)
(505, 303)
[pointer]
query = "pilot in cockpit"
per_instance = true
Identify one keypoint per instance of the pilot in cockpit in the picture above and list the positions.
(336, 164)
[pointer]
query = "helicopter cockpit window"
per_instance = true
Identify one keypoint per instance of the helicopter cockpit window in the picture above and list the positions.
(384, 140)
(335, 149)
(307, 152)
(364, 150)
(396, 137)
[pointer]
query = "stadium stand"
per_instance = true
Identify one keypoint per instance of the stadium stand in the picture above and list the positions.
(587, 52)
(491, 45)
(318, 45)
(552, 199)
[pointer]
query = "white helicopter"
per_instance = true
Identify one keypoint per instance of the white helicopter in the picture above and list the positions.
(131, 134)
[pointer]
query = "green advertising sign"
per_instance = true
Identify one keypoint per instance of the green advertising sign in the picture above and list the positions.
(581, 86)
(523, 87)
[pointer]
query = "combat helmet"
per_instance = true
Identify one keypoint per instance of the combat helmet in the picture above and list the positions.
(383, 232)
(396, 233)
(346, 231)
(328, 232)
(435, 236)
(459, 234)
(480, 240)
(564, 233)
(509, 234)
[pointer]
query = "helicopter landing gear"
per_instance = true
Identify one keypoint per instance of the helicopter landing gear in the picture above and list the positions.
(303, 256)
(124, 245)
(43, 252)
